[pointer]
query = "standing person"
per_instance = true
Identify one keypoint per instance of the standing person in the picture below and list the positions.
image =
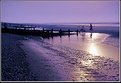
(91, 29)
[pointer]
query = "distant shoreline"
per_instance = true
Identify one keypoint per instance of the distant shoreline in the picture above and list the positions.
(67, 23)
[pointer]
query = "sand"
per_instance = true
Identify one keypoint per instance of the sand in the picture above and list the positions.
(70, 64)
(33, 59)
(14, 66)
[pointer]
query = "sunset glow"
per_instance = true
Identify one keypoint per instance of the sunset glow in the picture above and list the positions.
(59, 11)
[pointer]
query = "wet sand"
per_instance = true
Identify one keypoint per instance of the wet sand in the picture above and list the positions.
(99, 44)
(48, 62)
(70, 64)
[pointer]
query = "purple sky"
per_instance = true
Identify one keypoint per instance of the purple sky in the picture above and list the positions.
(59, 11)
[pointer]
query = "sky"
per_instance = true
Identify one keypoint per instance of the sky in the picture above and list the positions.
(28, 11)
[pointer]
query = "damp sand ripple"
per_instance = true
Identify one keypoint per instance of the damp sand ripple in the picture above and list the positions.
(87, 67)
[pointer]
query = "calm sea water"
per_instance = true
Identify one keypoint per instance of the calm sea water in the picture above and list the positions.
(105, 27)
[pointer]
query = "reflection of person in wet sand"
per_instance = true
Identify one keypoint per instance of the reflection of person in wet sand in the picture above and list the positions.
(83, 35)
(90, 35)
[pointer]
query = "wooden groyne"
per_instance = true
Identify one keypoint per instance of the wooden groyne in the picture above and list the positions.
(45, 31)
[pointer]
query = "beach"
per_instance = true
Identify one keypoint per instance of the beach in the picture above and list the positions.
(33, 58)
(60, 41)
(14, 66)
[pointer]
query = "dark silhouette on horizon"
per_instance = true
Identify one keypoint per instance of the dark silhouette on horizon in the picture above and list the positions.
(45, 31)
(91, 29)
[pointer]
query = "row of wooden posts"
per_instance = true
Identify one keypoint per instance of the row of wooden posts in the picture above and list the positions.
(59, 31)
(50, 31)
(44, 31)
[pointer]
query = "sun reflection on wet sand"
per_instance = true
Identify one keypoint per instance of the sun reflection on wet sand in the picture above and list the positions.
(82, 75)
(80, 65)
(94, 43)
(93, 49)
(92, 68)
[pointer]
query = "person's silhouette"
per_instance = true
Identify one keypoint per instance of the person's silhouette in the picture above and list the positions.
(91, 29)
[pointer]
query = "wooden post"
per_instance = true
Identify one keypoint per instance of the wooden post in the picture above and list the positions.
(60, 31)
(47, 31)
(16, 27)
(51, 31)
(6, 27)
(77, 32)
(19, 26)
(23, 27)
(34, 28)
(68, 31)
(43, 31)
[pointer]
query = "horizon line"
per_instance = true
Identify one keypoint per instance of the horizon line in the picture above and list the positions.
(67, 23)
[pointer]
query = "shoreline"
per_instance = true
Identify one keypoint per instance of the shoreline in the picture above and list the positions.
(70, 62)
(49, 32)
(57, 63)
